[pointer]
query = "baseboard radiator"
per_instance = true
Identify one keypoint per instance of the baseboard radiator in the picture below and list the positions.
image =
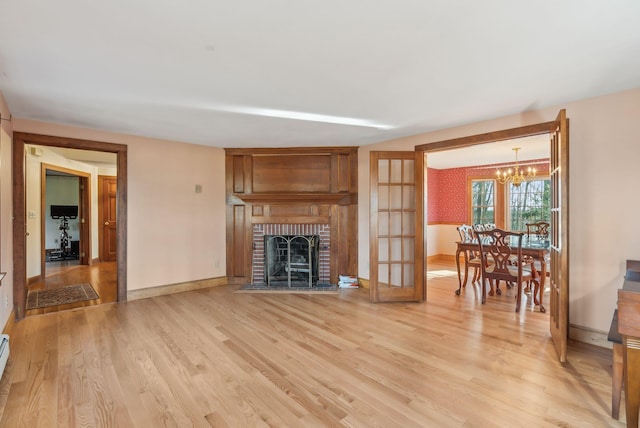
(4, 352)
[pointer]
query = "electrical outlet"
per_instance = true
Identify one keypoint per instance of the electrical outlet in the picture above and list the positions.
(6, 301)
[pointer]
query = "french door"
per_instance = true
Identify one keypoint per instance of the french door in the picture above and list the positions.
(397, 232)
(559, 171)
(559, 249)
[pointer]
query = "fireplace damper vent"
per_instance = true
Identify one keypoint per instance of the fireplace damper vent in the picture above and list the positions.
(291, 260)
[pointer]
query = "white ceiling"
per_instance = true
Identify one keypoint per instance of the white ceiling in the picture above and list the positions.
(232, 74)
(537, 147)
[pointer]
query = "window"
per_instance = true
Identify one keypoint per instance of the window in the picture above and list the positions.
(483, 201)
(510, 207)
(529, 203)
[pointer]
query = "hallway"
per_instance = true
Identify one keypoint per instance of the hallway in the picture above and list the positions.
(101, 275)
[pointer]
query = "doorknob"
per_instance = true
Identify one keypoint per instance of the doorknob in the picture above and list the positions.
(106, 223)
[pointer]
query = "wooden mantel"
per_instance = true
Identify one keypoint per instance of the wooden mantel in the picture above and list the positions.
(330, 198)
(293, 185)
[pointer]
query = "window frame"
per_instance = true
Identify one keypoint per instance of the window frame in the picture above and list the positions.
(501, 199)
(507, 206)
(498, 199)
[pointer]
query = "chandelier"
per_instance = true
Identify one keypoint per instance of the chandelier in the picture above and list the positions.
(515, 175)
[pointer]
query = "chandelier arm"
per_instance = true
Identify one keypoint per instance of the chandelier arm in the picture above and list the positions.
(517, 176)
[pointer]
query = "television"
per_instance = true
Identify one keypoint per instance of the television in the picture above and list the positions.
(60, 211)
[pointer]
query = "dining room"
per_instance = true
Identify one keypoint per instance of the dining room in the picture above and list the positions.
(504, 185)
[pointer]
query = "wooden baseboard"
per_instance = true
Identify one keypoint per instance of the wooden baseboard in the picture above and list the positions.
(441, 258)
(8, 327)
(364, 283)
(589, 335)
(34, 279)
(162, 290)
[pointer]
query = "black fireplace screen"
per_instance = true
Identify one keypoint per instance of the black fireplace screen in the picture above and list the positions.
(291, 260)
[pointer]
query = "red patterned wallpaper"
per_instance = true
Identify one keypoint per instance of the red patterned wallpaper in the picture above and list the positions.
(447, 191)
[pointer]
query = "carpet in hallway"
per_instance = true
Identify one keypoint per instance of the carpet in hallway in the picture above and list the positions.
(60, 296)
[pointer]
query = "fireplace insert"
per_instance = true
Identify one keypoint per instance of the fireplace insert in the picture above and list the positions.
(291, 260)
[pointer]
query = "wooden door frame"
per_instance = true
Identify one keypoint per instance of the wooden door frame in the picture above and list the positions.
(491, 137)
(84, 213)
(20, 217)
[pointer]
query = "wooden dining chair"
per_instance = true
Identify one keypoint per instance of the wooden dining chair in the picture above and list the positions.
(471, 258)
(504, 250)
(539, 229)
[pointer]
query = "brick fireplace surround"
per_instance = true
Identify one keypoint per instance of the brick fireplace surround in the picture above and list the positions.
(260, 230)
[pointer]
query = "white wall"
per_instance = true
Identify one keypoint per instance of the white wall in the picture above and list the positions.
(604, 173)
(6, 230)
(174, 234)
(441, 239)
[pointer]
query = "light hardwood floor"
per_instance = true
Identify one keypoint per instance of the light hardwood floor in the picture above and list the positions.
(213, 357)
(101, 275)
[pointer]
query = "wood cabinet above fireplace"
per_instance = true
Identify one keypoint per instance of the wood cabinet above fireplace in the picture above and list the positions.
(294, 186)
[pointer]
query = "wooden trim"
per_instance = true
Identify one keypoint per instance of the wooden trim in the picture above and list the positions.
(43, 223)
(633, 265)
(286, 200)
(121, 226)
(489, 137)
(73, 143)
(292, 150)
(69, 171)
(85, 221)
(364, 283)
(320, 198)
(442, 258)
(290, 220)
(19, 228)
(589, 335)
(33, 279)
(163, 290)
(19, 207)
(11, 322)
(100, 219)
(420, 265)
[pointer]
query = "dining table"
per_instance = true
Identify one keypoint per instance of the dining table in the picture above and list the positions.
(534, 247)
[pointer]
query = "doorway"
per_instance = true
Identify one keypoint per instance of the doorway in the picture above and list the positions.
(20, 214)
(558, 132)
(65, 219)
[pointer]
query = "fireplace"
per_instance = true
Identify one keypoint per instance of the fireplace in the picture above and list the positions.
(291, 260)
(291, 255)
